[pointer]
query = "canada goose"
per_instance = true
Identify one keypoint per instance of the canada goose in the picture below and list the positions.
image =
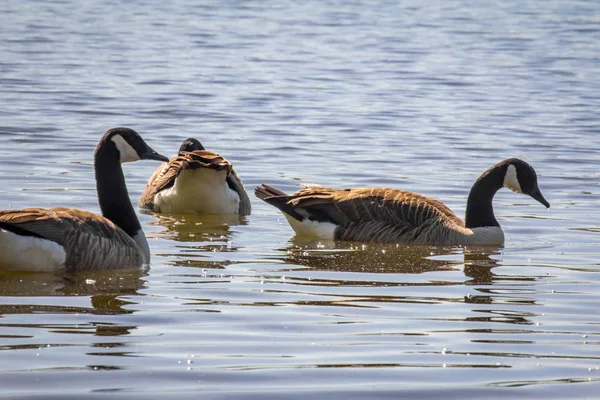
(396, 216)
(54, 239)
(196, 181)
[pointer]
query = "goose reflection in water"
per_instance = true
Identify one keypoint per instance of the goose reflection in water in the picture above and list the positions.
(389, 258)
(105, 290)
(197, 234)
(479, 265)
(370, 258)
(195, 228)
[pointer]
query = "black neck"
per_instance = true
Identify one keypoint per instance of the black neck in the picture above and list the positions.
(480, 211)
(112, 191)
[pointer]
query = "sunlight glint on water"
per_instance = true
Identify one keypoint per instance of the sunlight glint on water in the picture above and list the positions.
(411, 96)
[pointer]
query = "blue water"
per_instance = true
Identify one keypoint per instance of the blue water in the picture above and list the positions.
(345, 94)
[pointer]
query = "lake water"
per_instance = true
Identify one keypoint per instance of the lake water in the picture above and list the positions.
(340, 93)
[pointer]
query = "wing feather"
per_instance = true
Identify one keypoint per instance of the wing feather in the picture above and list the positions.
(378, 214)
(90, 240)
(165, 175)
(235, 183)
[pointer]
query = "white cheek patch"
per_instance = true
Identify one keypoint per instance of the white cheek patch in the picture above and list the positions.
(128, 153)
(510, 179)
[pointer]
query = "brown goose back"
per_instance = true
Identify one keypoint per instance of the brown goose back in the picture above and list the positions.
(165, 176)
(78, 231)
(379, 215)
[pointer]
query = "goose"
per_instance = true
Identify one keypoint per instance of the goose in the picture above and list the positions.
(68, 239)
(396, 216)
(196, 181)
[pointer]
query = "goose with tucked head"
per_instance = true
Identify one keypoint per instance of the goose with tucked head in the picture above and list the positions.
(196, 181)
(397, 216)
(68, 239)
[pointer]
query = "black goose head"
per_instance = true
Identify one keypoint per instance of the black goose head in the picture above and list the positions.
(520, 177)
(129, 145)
(191, 144)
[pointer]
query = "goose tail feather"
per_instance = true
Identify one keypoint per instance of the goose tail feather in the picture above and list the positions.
(278, 199)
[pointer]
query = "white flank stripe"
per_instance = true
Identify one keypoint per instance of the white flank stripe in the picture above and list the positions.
(27, 253)
(306, 227)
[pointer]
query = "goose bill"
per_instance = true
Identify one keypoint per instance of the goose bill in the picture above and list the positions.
(150, 154)
(537, 195)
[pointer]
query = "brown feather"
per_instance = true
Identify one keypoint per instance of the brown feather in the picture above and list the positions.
(373, 214)
(165, 175)
(78, 231)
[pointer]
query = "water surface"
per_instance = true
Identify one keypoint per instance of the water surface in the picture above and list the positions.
(345, 94)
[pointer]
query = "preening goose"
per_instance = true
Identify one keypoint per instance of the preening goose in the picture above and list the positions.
(68, 239)
(396, 216)
(196, 181)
